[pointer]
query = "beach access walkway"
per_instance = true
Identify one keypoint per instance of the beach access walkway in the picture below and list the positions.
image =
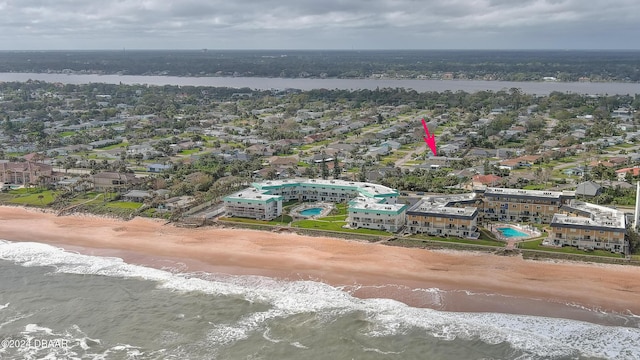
(71, 207)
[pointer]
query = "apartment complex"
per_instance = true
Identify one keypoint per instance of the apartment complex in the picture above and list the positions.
(448, 215)
(364, 213)
(253, 203)
(589, 226)
(371, 206)
(517, 205)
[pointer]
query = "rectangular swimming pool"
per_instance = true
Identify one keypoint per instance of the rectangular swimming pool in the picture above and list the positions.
(511, 232)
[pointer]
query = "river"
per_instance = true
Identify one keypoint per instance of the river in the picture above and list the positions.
(259, 83)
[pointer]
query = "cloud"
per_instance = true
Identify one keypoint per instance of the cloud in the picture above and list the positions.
(298, 23)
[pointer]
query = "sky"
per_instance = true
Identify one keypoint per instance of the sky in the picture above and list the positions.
(319, 24)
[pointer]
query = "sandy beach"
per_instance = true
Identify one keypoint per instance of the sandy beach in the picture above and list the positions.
(544, 288)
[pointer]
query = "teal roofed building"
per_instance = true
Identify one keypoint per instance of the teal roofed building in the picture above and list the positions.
(264, 200)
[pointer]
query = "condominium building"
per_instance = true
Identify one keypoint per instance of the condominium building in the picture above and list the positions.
(447, 215)
(517, 205)
(253, 203)
(364, 213)
(589, 226)
(371, 206)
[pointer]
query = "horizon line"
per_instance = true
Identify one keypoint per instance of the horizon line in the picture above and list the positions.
(319, 49)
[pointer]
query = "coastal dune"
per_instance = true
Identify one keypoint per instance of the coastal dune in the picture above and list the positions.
(373, 270)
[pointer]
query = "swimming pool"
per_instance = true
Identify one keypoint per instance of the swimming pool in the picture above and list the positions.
(315, 211)
(511, 232)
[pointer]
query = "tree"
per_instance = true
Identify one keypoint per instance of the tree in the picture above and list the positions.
(324, 168)
(69, 163)
(634, 240)
(271, 174)
(337, 170)
(362, 175)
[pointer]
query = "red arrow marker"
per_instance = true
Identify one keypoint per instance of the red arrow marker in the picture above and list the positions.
(429, 139)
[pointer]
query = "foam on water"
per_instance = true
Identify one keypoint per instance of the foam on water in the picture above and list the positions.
(536, 336)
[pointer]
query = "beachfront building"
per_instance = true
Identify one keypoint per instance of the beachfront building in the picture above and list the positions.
(371, 206)
(253, 203)
(25, 173)
(364, 213)
(517, 205)
(446, 215)
(589, 226)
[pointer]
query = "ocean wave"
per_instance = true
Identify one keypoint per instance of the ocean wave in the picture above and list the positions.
(535, 336)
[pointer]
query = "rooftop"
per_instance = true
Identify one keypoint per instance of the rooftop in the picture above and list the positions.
(368, 189)
(443, 205)
(253, 194)
(367, 204)
(598, 215)
(521, 192)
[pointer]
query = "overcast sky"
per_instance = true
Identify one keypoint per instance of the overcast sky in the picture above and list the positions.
(319, 24)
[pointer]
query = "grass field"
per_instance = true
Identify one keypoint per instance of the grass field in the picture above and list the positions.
(537, 245)
(32, 197)
(485, 242)
(111, 147)
(189, 152)
(128, 205)
(281, 220)
(335, 226)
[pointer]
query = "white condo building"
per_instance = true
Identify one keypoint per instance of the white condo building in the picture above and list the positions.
(371, 206)
(254, 204)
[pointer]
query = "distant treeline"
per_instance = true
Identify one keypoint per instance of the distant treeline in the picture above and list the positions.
(524, 65)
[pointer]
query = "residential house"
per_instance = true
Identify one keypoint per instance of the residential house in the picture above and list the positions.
(137, 195)
(576, 171)
(113, 181)
(158, 168)
(487, 180)
(25, 173)
(588, 189)
(174, 203)
(622, 173)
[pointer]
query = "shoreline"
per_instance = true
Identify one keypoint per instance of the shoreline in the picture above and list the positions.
(467, 281)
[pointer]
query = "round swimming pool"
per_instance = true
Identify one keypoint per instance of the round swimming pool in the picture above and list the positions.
(315, 211)
(511, 232)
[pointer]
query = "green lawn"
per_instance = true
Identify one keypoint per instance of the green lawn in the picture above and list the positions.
(280, 220)
(485, 242)
(335, 226)
(66, 133)
(189, 152)
(32, 197)
(334, 218)
(128, 205)
(111, 147)
(537, 245)
(94, 198)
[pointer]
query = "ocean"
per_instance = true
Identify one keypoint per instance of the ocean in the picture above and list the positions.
(56, 304)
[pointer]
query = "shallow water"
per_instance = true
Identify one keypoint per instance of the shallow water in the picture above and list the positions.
(105, 308)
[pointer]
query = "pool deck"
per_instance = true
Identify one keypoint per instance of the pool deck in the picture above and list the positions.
(295, 213)
(511, 241)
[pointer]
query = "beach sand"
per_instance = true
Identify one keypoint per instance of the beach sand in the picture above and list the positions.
(471, 281)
